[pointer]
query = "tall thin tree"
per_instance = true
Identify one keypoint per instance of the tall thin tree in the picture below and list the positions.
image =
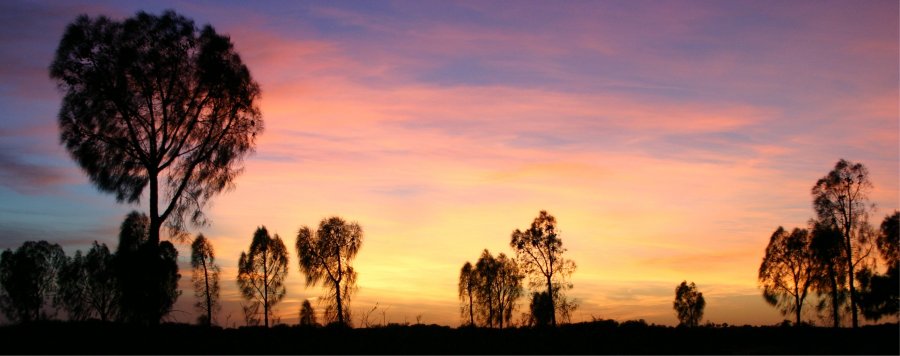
(467, 285)
(262, 271)
(205, 278)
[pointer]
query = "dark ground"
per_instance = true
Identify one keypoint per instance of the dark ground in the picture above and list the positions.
(603, 337)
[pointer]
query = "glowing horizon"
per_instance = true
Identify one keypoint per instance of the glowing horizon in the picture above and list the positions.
(668, 139)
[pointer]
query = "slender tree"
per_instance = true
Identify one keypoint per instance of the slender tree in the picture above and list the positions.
(205, 278)
(508, 286)
(101, 286)
(830, 278)
(689, 304)
(262, 270)
(840, 198)
(307, 314)
(28, 279)
(878, 292)
(786, 271)
(467, 285)
(72, 289)
(540, 253)
(325, 257)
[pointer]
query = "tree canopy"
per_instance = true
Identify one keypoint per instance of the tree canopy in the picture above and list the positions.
(689, 304)
(262, 271)
(325, 257)
(540, 253)
(28, 279)
(788, 270)
(155, 103)
(205, 278)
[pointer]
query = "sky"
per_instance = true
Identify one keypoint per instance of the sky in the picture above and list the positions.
(668, 138)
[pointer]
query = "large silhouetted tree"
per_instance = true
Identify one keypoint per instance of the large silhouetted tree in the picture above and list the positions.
(879, 292)
(830, 278)
(840, 198)
(262, 271)
(787, 270)
(467, 284)
(205, 279)
(689, 304)
(154, 103)
(28, 280)
(540, 253)
(325, 256)
(146, 272)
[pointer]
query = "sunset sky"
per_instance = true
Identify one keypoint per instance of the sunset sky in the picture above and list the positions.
(668, 138)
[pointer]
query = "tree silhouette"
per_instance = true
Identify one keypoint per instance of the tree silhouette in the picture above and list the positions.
(540, 309)
(786, 271)
(101, 287)
(325, 256)
(262, 270)
(830, 278)
(495, 285)
(539, 251)
(879, 293)
(307, 314)
(205, 279)
(146, 272)
(689, 304)
(72, 290)
(840, 198)
(28, 278)
(468, 282)
(155, 103)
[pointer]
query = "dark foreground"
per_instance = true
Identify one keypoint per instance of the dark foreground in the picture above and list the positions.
(605, 337)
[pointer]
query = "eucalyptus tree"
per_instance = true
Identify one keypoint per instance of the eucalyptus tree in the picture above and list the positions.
(325, 256)
(788, 270)
(205, 278)
(539, 251)
(688, 304)
(262, 271)
(155, 105)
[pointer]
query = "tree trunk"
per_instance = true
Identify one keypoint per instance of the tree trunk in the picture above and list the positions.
(340, 308)
(471, 312)
(853, 313)
(835, 307)
(266, 285)
(208, 296)
(552, 302)
(155, 222)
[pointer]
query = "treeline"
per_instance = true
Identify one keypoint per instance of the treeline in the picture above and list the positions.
(834, 257)
(139, 282)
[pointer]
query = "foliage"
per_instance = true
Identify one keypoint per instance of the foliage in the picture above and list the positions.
(541, 309)
(787, 270)
(878, 295)
(325, 257)
(492, 287)
(205, 278)
(840, 199)
(262, 271)
(28, 279)
(467, 284)
(71, 295)
(830, 279)
(146, 273)
(307, 314)
(154, 103)
(539, 251)
(689, 304)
